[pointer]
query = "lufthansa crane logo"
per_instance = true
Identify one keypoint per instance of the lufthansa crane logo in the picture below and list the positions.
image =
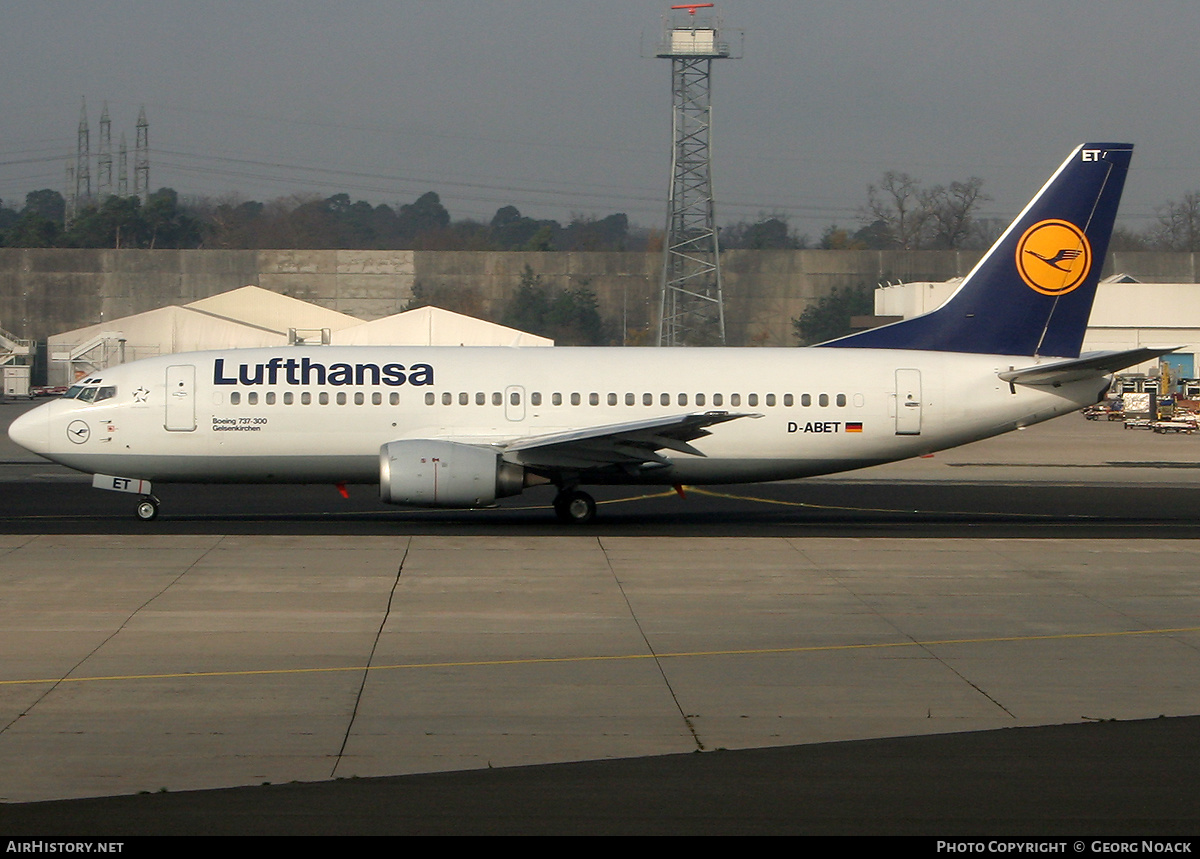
(1053, 257)
(78, 432)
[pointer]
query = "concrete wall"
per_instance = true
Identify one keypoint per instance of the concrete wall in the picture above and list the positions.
(46, 291)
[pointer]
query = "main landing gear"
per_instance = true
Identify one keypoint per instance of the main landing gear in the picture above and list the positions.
(574, 507)
(147, 509)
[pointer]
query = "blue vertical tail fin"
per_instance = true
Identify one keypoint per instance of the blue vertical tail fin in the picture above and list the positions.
(1032, 292)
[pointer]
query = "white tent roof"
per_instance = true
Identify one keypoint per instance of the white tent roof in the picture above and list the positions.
(256, 306)
(173, 329)
(164, 331)
(433, 326)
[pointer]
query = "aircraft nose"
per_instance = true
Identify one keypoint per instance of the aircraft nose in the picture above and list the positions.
(32, 431)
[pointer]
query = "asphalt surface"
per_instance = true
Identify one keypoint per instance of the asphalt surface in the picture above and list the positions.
(823, 507)
(1104, 779)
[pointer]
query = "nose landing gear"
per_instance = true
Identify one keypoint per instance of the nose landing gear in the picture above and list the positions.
(147, 509)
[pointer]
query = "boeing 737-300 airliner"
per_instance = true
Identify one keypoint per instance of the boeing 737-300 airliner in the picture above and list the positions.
(461, 427)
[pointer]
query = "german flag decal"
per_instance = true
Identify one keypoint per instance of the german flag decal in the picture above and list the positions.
(853, 426)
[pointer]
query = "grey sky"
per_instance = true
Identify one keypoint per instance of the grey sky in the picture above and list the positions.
(548, 106)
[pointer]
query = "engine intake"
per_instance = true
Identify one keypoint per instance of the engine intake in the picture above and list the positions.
(432, 473)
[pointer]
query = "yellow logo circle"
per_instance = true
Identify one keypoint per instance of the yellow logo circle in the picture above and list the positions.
(1053, 257)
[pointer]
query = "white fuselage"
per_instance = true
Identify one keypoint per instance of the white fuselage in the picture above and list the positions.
(321, 414)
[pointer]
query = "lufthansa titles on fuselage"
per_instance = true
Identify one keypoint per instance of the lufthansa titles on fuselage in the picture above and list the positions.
(304, 371)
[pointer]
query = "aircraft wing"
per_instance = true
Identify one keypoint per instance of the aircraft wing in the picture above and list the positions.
(1094, 364)
(626, 444)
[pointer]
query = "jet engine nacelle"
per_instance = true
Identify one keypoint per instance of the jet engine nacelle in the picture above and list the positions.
(431, 473)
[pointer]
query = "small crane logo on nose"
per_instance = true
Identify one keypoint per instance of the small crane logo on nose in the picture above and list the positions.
(78, 432)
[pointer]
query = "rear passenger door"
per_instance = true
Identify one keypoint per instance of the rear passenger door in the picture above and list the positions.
(908, 402)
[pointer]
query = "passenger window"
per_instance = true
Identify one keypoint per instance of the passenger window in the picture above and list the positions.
(788, 400)
(535, 399)
(306, 399)
(394, 398)
(464, 399)
(430, 399)
(770, 400)
(377, 399)
(752, 399)
(647, 399)
(717, 400)
(447, 398)
(234, 398)
(841, 399)
(630, 399)
(252, 398)
(497, 398)
(323, 398)
(287, 398)
(574, 399)
(359, 399)
(612, 399)
(270, 398)
(683, 399)
(699, 399)
(514, 398)
(735, 399)
(594, 399)
(480, 398)
(665, 399)
(341, 398)
(806, 400)
(823, 400)
(556, 399)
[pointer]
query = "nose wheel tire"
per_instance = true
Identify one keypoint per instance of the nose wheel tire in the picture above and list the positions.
(147, 509)
(575, 507)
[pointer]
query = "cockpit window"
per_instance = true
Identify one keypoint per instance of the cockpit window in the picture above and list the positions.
(89, 392)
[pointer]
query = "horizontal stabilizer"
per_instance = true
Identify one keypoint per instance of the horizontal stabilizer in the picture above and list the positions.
(1088, 366)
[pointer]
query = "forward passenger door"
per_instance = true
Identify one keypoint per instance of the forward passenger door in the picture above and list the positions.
(181, 398)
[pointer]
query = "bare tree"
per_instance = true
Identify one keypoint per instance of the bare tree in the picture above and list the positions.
(896, 202)
(1125, 239)
(1178, 227)
(912, 217)
(951, 212)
